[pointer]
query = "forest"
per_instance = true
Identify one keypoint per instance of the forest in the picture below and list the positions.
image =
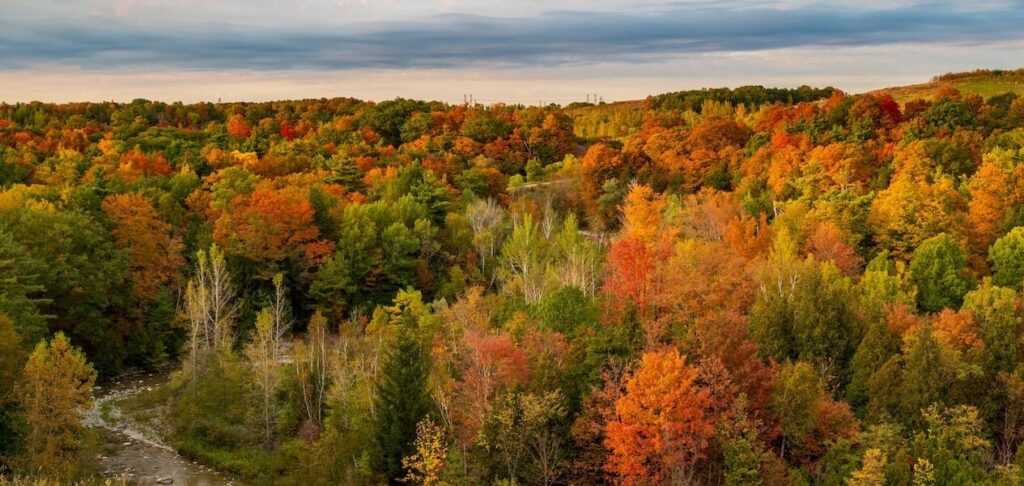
(723, 286)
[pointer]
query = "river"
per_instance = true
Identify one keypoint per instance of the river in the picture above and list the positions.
(136, 451)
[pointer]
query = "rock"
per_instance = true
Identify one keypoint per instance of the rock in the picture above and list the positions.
(126, 444)
(167, 480)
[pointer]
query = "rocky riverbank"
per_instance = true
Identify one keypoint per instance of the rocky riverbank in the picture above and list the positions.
(135, 451)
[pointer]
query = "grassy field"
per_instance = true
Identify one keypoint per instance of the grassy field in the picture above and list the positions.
(985, 83)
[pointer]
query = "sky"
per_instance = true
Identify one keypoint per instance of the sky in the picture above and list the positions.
(512, 51)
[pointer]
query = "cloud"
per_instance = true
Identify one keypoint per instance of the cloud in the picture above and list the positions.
(549, 39)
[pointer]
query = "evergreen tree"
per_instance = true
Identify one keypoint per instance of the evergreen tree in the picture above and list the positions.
(12, 359)
(402, 401)
(926, 376)
(878, 346)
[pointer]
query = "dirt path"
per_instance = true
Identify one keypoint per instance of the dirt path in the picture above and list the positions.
(135, 451)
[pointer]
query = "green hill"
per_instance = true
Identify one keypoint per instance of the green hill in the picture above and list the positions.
(984, 82)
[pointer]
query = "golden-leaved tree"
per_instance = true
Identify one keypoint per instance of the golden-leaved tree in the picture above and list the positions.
(57, 383)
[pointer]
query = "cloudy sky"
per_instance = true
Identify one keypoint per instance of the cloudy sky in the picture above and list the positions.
(524, 51)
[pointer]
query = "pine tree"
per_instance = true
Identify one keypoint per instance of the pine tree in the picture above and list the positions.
(402, 402)
(12, 360)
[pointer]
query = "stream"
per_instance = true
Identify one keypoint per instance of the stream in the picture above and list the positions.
(135, 451)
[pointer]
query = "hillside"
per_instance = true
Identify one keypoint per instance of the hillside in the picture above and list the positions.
(623, 118)
(984, 82)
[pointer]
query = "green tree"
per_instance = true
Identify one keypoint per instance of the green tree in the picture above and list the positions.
(807, 313)
(85, 278)
(1007, 257)
(953, 443)
(20, 295)
(567, 309)
(939, 270)
(995, 310)
(401, 401)
(878, 346)
(742, 452)
(387, 118)
(12, 360)
(796, 393)
(926, 377)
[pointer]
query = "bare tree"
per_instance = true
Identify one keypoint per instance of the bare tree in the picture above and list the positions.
(523, 255)
(485, 218)
(282, 321)
(196, 304)
(262, 354)
(210, 308)
(223, 308)
(576, 259)
(549, 220)
(313, 366)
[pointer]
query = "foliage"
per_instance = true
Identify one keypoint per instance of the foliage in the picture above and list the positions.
(401, 402)
(661, 428)
(939, 270)
(530, 278)
(57, 383)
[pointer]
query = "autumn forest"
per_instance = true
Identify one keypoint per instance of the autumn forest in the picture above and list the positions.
(717, 286)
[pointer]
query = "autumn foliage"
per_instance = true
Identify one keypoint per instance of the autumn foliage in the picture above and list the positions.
(660, 427)
(718, 286)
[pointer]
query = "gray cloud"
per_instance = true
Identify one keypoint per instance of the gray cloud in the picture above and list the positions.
(560, 38)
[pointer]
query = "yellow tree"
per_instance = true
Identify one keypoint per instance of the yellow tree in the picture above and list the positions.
(911, 211)
(641, 213)
(57, 383)
(426, 466)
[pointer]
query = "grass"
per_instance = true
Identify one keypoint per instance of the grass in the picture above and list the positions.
(984, 84)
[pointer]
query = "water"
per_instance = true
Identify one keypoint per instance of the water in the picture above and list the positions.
(135, 451)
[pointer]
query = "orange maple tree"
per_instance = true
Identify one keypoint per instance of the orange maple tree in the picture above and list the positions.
(155, 253)
(661, 426)
(269, 225)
